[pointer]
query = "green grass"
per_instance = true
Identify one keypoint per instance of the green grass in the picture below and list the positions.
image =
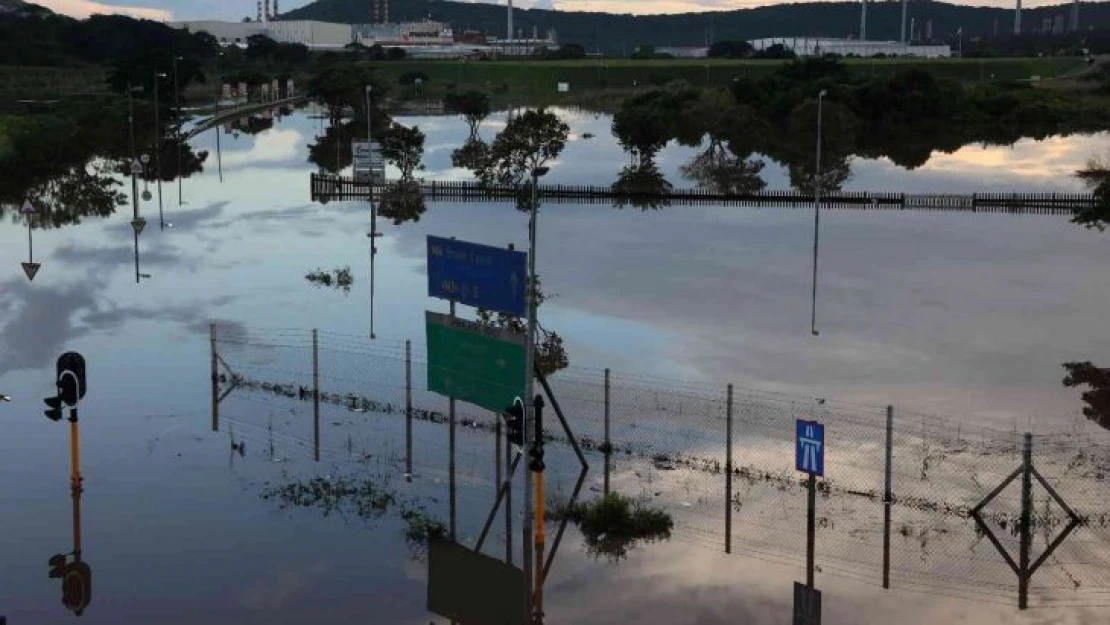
(39, 83)
(529, 80)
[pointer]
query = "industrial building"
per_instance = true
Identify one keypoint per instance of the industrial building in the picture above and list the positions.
(814, 46)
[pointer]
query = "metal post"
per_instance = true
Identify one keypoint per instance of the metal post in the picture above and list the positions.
(1026, 521)
(451, 452)
(811, 528)
(316, 394)
(529, 393)
(888, 495)
(75, 483)
(608, 443)
(816, 216)
(541, 526)
(215, 380)
(177, 101)
(509, 505)
(408, 410)
(728, 473)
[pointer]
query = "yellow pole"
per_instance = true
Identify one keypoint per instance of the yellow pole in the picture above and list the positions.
(541, 537)
(75, 486)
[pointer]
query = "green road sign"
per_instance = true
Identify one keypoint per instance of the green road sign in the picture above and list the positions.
(483, 366)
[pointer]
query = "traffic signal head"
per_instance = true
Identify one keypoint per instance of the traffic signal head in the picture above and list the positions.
(55, 408)
(77, 587)
(71, 378)
(514, 423)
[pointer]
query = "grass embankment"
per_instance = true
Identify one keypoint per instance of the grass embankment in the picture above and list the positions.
(537, 80)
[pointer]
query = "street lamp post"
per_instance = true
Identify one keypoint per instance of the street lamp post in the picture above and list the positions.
(177, 105)
(816, 216)
(158, 148)
(373, 212)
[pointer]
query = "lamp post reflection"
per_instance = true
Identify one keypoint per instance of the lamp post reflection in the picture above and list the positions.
(158, 147)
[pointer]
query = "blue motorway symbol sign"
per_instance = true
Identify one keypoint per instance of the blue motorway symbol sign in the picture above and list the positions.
(477, 275)
(809, 453)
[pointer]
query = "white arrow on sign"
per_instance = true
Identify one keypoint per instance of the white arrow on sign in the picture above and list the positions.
(28, 208)
(31, 269)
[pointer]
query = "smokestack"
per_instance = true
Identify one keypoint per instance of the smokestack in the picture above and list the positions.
(266, 13)
(1074, 25)
(276, 12)
(375, 12)
(863, 20)
(385, 11)
(1017, 19)
(258, 16)
(510, 29)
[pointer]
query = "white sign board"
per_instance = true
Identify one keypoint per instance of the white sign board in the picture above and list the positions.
(361, 155)
(564, 87)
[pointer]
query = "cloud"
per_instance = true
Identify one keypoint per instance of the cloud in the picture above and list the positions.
(85, 8)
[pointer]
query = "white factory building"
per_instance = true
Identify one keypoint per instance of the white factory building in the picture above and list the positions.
(315, 35)
(815, 46)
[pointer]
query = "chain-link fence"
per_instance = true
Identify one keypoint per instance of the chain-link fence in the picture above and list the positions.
(663, 443)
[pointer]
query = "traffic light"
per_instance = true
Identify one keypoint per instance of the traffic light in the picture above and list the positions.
(77, 587)
(514, 423)
(55, 405)
(536, 452)
(71, 378)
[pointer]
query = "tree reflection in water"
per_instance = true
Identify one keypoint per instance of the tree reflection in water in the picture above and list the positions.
(402, 201)
(471, 155)
(642, 186)
(720, 170)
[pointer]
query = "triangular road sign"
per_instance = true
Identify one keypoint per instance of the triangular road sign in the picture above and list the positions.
(31, 269)
(28, 208)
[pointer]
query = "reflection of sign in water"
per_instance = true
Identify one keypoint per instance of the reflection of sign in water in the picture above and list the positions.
(244, 90)
(477, 275)
(807, 605)
(810, 448)
(290, 91)
(276, 87)
(226, 91)
(472, 588)
(367, 160)
(474, 363)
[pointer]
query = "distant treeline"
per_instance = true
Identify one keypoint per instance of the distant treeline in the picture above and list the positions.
(620, 35)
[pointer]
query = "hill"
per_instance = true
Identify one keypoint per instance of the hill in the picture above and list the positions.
(614, 34)
(23, 9)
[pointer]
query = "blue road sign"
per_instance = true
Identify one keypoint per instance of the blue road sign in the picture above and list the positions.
(477, 275)
(809, 453)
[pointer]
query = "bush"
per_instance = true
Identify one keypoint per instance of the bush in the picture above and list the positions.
(613, 523)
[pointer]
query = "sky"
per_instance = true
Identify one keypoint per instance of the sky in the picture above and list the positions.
(237, 9)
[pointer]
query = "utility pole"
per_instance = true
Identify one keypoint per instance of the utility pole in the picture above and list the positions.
(529, 392)
(816, 215)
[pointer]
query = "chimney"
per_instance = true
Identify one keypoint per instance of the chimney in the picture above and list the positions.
(1017, 19)
(276, 12)
(863, 21)
(258, 17)
(1074, 26)
(266, 13)
(385, 11)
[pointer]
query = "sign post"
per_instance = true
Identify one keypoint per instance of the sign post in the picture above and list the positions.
(31, 268)
(809, 457)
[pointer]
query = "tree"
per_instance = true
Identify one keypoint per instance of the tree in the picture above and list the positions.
(775, 51)
(340, 86)
(1097, 380)
(551, 354)
(471, 155)
(395, 54)
(474, 106)
(1097, 178)
(404, 147)
(528, 142)
(719, 169)
(641, 185)
(402, 201)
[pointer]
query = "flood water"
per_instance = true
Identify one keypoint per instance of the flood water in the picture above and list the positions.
(964, 316)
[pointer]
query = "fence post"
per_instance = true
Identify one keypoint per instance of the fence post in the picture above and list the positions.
(888, 495)
(1026, 521)
(215, 380)
(728, 473)
(316, 395)
(608, 446)
(408, 410)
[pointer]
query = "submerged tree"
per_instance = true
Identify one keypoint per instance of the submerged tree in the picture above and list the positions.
(404, 147)
(646, 123)
(471, 155)
(402, 201)
(474, 106)
(641, 185)
(522, 151)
